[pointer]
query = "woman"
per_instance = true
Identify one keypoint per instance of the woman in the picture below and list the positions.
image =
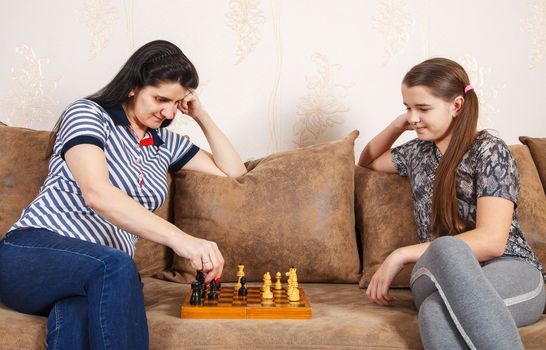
(69, 256)
(480, 280)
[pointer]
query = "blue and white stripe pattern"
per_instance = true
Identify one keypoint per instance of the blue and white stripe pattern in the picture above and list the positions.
(60, 207)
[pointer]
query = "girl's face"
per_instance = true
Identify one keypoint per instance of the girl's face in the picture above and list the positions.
(430, 116)
(152, 105)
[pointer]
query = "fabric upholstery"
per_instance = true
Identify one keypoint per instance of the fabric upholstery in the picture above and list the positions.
(532, 202)
(23, 169)
(342, 319)
(384, 220)
(537, 146)
(293, 208)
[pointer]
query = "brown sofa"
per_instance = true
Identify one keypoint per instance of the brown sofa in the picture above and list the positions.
(293, 208)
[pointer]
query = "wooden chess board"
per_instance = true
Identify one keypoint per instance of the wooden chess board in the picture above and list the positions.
(231, 305)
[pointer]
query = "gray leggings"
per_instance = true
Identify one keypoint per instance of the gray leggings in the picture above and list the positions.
(463, 305)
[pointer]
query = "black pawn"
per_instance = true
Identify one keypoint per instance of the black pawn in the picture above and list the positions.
(195, 294)
(213, 294)
(243, 291)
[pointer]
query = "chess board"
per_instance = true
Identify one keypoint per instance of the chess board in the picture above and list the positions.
(231, 305)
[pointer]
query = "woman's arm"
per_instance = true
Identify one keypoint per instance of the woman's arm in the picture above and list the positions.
(224, 156)
(487, 241)
(87, 164)
(377, 153)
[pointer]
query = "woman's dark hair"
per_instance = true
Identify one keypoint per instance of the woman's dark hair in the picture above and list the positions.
(154, 63)
(447, 80)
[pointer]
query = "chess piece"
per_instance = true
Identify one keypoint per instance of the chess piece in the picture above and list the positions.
(213, 294)
(278, 284)
(267, 281)
(195, 293)
(294, 295)
(267, 294)
(243, 291)
(240, 273)
(201, 282)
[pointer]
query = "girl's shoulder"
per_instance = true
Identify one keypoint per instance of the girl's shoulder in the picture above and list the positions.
(486, 143)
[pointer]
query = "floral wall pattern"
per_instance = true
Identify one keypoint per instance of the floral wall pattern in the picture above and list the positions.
(280, 74)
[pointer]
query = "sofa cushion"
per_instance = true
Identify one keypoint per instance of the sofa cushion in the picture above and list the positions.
(532, 201)
(537, 146)
(23, 169)
(384, 220)
(291, 208)
(342, 319)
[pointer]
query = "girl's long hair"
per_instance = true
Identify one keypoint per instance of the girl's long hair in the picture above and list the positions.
(156, 62)
(447, 80)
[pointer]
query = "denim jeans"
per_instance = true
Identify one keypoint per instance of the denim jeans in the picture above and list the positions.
(91, 293)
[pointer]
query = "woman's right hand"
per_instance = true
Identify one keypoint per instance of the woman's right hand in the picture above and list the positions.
(401, 122)
(203, 255)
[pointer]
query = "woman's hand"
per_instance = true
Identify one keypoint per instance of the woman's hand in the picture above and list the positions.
(401, 123)
(191, 105)
(378, 289)
(203, 255)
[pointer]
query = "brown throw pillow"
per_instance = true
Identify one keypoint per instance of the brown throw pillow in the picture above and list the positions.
(384, 220)
(532, 202)
(291, 208)
(23, 169)
(537, 146)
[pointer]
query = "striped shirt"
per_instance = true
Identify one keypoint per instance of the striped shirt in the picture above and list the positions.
(138, 168)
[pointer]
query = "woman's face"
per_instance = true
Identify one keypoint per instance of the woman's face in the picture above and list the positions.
(430, 116)
(152, 105)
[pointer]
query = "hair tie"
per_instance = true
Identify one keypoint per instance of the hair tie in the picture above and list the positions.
(468, 88)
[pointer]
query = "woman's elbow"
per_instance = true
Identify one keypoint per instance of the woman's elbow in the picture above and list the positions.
(94, 198)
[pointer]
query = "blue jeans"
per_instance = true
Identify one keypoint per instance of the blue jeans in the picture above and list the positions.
(91, 293)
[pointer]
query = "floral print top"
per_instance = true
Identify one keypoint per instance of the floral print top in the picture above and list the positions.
(486, 169)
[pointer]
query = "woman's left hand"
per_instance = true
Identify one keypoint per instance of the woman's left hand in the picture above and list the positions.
(378, 288)
(191, 105)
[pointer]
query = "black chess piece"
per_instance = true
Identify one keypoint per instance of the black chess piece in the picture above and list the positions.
(202, 287)
(195, 293)
(213, 294)
(243, 291)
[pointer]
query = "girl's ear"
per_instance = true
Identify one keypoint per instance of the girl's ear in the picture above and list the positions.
(457, 105)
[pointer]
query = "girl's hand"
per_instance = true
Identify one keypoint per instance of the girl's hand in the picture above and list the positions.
(401, 123)
(378, 289)
(203, 255)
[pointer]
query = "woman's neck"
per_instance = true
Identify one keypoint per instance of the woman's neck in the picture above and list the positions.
(138, 128)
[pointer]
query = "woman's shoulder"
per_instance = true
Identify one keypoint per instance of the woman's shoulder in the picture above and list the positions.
(85, 107)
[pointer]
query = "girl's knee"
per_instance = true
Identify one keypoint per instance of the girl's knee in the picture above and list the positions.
(448, 247)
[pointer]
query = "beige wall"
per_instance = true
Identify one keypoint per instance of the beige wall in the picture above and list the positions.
(280, 73)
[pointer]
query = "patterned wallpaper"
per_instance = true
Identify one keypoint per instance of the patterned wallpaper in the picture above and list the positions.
(279, 74)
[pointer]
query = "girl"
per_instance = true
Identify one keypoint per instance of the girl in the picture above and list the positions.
(476, 279)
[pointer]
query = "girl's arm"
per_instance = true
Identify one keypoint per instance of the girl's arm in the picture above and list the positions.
(487, 241)
(377, 153)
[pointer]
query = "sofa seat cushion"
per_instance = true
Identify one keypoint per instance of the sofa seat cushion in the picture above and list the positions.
(342, 319)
